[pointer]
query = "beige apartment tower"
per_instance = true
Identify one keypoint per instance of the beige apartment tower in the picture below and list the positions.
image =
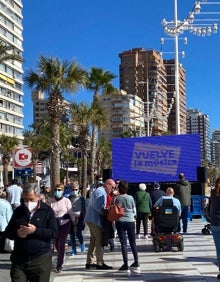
(144, 73)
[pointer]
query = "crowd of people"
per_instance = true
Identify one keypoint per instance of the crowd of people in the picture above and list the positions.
(39, 225)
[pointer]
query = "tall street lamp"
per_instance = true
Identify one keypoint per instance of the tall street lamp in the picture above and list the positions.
(148, 105)
(175, 28)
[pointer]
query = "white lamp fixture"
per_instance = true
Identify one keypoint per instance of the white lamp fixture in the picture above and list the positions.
(200, 27)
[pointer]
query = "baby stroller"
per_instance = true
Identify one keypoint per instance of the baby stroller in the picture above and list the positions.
(206, 230)
(166, 220)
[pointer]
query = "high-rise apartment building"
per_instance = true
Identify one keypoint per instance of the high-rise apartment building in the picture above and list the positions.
(199, 123)
(40, 111)
(11, 93)
(144, 73)
(125, 112)
(215, 148)
(40, 103)
(170, 74)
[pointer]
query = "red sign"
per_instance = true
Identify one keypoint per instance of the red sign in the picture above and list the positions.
(39, 168)
(22, 158)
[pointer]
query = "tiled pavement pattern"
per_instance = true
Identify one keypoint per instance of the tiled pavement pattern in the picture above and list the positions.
(197, 263)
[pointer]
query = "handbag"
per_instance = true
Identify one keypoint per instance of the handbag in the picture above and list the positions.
(9, 245)
(115, 212)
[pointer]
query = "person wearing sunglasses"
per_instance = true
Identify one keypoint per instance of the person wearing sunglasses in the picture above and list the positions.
(65, 217)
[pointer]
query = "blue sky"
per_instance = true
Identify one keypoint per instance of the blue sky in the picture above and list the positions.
(95, 32)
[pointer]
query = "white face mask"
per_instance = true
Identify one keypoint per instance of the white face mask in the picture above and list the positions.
(31, 205)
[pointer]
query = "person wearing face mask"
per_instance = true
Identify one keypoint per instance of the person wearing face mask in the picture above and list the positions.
(66, 218)
(78, 205)
(32, 227)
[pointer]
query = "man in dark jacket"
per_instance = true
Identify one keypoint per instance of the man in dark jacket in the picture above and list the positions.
(32, 226)
(183, 193)
(156, 193)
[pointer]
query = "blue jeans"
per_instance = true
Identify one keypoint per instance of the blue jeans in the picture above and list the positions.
(128, 228)
(184, 217)
(216, 237)
(78, 234)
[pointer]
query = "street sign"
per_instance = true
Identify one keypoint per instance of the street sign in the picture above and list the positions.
(39, 168)
(22, 158)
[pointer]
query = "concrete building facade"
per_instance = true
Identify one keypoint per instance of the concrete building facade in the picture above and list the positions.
(124, 112)
(199, 123)
(215, 148)
(11, 93)
(40, 103)
(170, 75)
(145, 74)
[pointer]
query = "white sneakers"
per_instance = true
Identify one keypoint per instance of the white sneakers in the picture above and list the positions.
(138, 236)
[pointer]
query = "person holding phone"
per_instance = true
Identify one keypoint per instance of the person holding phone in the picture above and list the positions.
(32, 226)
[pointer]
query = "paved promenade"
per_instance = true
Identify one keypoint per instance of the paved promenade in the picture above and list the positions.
(197, 263)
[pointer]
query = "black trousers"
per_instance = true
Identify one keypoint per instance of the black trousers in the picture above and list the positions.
(2, 242)
(33, 270)
(142, 217)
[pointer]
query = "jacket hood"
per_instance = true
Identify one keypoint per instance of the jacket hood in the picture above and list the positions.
(184, 182)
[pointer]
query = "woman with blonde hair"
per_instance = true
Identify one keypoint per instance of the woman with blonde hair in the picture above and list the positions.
(215, 218)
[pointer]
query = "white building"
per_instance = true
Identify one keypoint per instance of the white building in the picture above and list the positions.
(11, 93)
(124, 112)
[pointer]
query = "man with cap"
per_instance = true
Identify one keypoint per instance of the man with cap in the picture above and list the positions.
(156, 193)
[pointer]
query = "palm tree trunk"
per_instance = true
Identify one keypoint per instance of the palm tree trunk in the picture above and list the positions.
(55, 154)
(34, 170)
(93, 152)
(5, 174)
(84, 173)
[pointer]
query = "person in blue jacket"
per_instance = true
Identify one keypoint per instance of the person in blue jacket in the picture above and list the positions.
(32, 226)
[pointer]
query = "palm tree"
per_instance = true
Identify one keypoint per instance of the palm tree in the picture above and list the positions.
(7, 52)
(103, 156)
(8, 144)
(130, 133)
(65, 141)
(56, 77)
(81, 114)
(38, 139)
(98, 80)
(33, 140)
(99, 120)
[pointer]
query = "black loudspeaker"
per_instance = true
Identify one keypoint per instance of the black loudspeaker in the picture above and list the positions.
(106, 174)
(201, 174)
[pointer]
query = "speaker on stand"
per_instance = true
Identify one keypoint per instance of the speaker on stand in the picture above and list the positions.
(202, 178)
(201, 174)
(106, 174)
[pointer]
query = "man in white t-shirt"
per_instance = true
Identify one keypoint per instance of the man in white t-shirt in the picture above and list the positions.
(14, 194)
